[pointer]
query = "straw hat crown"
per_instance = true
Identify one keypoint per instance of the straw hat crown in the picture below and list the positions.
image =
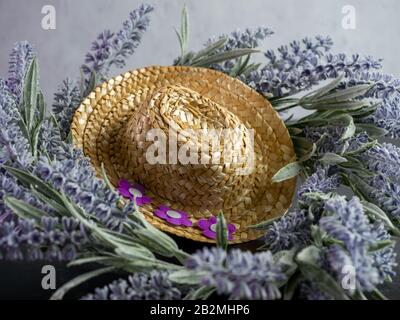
(209, 177)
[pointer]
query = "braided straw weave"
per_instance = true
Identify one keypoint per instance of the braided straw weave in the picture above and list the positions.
(184, 102)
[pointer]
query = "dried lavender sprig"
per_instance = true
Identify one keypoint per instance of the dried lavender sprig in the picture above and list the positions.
(14, 147)
(111, 49)
(7, 99)
(384, 85)
(298, 53)
(320, 181)
(347, 222)
(9, 187)
(281, 79)
(387, 116)
(66, 101)
(76, 179)
(238, 39)
(56, 239)
(239, 274)
(20, 58)
(139, 286)
(384, 259)
(329, 139)
(383, 159)
(386, 194)
(248, 38)
(294, 228)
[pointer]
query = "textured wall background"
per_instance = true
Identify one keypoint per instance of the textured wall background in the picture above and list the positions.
(61, 51)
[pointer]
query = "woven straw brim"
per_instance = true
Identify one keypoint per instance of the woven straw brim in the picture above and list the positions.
(97, 124)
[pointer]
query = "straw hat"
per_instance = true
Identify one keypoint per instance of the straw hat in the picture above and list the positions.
(112, 126)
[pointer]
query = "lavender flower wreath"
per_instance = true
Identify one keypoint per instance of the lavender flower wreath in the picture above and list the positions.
(53, 207)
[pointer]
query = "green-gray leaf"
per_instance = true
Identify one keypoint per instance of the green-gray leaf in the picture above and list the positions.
(41, 106)
(222, 232)
(332, 159)
(211, 49)
(289, 171)
(29, 179)
(372, 130)
(184, 28)
(30, 93)
(350, 128)
(325, 89)
(223, 56)
(185, 276)
(346, 94)
(23, 209)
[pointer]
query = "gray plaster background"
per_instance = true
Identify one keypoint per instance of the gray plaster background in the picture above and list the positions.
(62, 51)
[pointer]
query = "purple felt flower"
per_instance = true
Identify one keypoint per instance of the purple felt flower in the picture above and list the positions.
(176, 217)
(133, 192)
(209, 227)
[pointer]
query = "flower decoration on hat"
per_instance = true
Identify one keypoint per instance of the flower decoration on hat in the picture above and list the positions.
(209, 227)
(134, 192)
(175, 217)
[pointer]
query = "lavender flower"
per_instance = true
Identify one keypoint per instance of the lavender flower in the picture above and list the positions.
(357, 142)
(66, 101)
(14, 148)
(111, 49)
(384, 259)
(20, 58)
(383, 159)
(139, 286)
(292, 230)
(384, 85)
(348, 223)
(248, 38)
(56, 239)
(387, 116)
(10, 187)
(386, 194)
(329, 139)
(239, 274)
(301, 68)
(76, 178)
(347, 219)
(298, 53)
(7, 99)
(320, 182)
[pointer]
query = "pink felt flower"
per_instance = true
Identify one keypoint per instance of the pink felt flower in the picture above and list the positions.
(209, 227)
(176, 217)
(133, 192)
